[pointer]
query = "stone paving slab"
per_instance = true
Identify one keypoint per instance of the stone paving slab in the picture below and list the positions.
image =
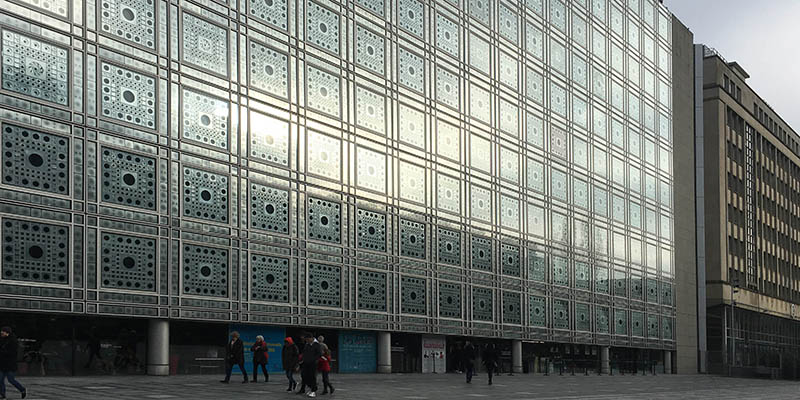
(416, 387)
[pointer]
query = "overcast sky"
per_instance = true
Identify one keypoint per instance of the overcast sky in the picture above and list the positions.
(762, 35)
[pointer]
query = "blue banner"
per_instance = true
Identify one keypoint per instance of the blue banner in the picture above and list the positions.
(272, 336)
(357, 352)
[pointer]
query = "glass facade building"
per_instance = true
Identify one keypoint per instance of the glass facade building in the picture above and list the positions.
(471, 167)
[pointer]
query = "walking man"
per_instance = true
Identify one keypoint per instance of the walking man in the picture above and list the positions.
(490, 358)
(234, 355)
(8, 362)
(312, 351)
(289, 357)
(469, 360)
(260, 358)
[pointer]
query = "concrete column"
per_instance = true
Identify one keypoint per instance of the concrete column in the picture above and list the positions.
(605, 364)
(667, 362)
(516, 356)
(384, 353)
(158, 347)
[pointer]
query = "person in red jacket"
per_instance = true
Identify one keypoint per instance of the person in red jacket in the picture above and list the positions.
(260, 358)
(324, 366)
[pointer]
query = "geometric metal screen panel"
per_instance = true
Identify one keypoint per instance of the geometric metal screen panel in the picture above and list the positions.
(583, 320)
(35, 160)
(510, 256)
(512, 308)
(324, 285)
(128, 179)
(35, 251)
(412, 239)
(269, 209)
(205, 271)
(449, 246)
(482, 304)
(324, 220)
(449, 300)
(128, 262)
(371, 290)
(560, 314)
(270, 278)
(481, 254)
(538, 311)
(413, 299)
(371, 230)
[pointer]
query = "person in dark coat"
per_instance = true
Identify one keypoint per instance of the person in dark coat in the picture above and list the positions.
(469, 360)
(93, 347)
(312, 351)
(490, 359)
(260, 358)
(289, 357)
(234, 355)
(8, 362)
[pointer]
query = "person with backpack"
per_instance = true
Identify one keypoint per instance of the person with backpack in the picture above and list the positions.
(260, 358)
(8, 362)
(290, 359)
(324, 366)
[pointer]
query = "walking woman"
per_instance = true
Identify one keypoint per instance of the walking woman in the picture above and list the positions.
(260, 357)
(8, 362)
(289, 356)
(324, 366)
(234, 355)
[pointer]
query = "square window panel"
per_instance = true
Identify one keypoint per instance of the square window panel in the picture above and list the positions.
(534, 41)
(579, 30)
(481, 250)
(323, 91)
(448, 140)
(205, 119)
(509, 208)
(273, 12)
(411, 70)
(412, 182)
(447, 88)
(127, 179)
(447, 35)
(480, 10)
(35, 68)
(510, 262)
(128, 262)
(558, 142)
(601, 281)
(536, 220)
(449, 246)
(580, 193)
(583, 320)
(371, 230)
(537, 315)
(205, 45)
(205, 271)
(561, 314)
(412, 239)
(324, 220)
(534, 129)
(205, 195)
(371, 110)
(133, 21)
(535, 175)
(324, 156)
(558, 15)
(480, 203)
(534, 86)
(509, 118)
(537, 266)
(371, 170)
(411, 17)
(509, 165)
(448, 196)
(269, 208)
(371, 290)
(558, 57)
(38, 160)
(508, 24)
(35, 252)
(376, 6)
(322, 27)
(560, 227)
(479, 54)
(269, 70)
(480, 104)
(412, 126)
(270, 278)
(559, 185)
(269, 139)
(580, 112)
(558, 99)
(480, 153)
(580, 73)
(509, 72)
(370, 50)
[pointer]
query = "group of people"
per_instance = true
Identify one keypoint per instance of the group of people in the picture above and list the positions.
(490, 357)
(8, 362)
(314, 357)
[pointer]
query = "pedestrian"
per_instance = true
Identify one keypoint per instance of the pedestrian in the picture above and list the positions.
(312, 351)
(289, 357)
(260, 358)
(469, 360)
(325, 368)
(490, 358)
(8, 362)
(234, 355)
(93, 347)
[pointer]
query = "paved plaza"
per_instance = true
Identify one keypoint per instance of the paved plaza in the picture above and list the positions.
(419, 387)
